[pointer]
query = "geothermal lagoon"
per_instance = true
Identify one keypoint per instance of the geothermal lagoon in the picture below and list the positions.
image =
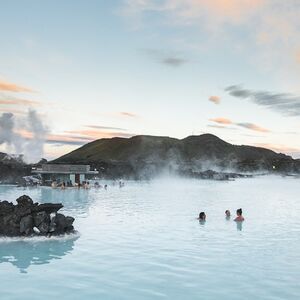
(143, 241)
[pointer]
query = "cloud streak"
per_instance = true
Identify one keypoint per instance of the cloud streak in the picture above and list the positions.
(128, 114)
(97, 134)
(105, 127)
(221, 121)
(284, 103)
(12, 87)
(252, 126)
(265, 24)
(224, 121)
(215, 99)
(11, 100)
(168, 58)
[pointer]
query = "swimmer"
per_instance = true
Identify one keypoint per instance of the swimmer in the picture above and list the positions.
(227, 214)
(63, 185)
(239, 217)
(202, 216)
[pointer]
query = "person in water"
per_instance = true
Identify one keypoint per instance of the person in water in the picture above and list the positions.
(202, 216)
(239, 214)
(227, 214)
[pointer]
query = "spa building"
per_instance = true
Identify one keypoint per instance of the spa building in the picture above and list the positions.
(67, 173)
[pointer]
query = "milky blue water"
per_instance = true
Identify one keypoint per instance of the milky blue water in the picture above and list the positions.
(143, 242)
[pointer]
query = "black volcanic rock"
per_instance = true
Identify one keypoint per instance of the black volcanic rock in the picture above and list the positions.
(48, 207)
(28, 218)
(24, 201)
(42, 222)
(145, 156)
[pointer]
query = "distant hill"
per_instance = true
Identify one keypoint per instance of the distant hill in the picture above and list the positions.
(144, 155)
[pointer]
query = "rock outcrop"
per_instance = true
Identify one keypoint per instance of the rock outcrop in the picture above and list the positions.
(27, 218)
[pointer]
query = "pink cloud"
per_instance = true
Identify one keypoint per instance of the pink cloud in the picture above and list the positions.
(222, 11)
(98, 134)
(18, 101)
(221, 121)
(252, 126)
(215, 99)
(128, 114)
(12, 87)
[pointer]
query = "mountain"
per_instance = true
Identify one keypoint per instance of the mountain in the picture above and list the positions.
(144, 155)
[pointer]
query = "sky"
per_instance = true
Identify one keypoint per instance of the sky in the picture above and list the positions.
(74, 71)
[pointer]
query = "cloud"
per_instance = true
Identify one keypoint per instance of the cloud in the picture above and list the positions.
(271, 27)
(11, 100)
(284, 103)
(128, 114)
(14, 111)
(252, 126)
(66, 139)
(225, 121)
(215, 99)
(209, 13)
(97, 134)
(168, 58)
(105, 127)
(221, 127)
(221, 121)
(12, 87)
(72, 137)
(174, 61)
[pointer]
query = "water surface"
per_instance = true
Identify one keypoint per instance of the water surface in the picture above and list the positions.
(143, 242)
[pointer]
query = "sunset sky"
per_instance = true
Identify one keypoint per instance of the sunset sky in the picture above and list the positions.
(92, 69)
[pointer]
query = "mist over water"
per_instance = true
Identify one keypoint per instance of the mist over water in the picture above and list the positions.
(143, 241)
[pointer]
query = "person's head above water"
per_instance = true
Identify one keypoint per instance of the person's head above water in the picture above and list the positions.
(239, 217)
(202, 216)
(227, 213)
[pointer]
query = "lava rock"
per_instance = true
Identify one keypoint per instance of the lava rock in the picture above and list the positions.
(42, 222)
(25, 201)
(22, 218)
(48, 207)
(6, 208)
(63, 224)
(26, 225)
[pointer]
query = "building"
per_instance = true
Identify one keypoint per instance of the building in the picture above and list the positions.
(67, 173)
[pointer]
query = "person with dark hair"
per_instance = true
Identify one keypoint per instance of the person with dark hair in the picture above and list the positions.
(239, 217)
(202, 216)
(227, 214)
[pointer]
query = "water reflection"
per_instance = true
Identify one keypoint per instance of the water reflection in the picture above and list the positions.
(239, 226)
(22, 254)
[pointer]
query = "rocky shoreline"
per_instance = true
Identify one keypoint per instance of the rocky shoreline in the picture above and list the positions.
(27, 218)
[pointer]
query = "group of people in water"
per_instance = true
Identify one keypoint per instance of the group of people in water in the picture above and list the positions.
(85, 185)
(239, 215)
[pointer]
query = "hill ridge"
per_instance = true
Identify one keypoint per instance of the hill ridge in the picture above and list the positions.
(146, 153)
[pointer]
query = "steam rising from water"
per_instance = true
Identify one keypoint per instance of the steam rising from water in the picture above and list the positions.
(30, 144)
